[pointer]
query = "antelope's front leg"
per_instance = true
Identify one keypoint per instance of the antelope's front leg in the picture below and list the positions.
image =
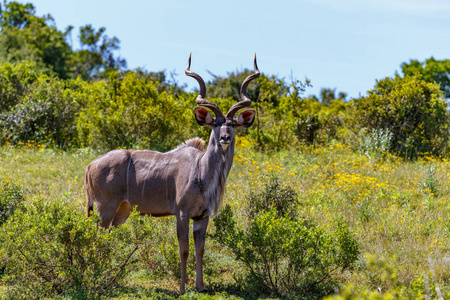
(199, 238)
(183, 241)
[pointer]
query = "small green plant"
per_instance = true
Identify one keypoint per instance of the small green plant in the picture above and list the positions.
(386, 284)
(447, 225)
(365, 212)
(431, 183)
(275, 195)
(52, 249)
(374, 141)
(11, 198)
(290, 257)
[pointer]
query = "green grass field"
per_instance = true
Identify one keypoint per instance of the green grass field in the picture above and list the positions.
(399, 212)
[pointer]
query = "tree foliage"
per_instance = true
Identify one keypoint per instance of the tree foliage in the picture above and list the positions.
(128, 112)
(413, 110)
(96, 56)
(42, 101)
(432, 70)
(25, 36)
(38, 107)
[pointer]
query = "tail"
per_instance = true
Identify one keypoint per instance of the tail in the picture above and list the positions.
(90, 202)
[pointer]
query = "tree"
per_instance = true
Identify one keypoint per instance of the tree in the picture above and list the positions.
(413, 110)
(24, 36)
(432, 70)
(230, 87)
(170, 86)
(96, 56)
(327, 96)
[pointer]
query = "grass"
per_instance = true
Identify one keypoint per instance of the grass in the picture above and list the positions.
(399, 211)
(47, 173)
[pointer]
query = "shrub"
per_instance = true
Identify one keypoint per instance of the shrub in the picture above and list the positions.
(15, 82)
(11, 198)
(287, 256)
(386, 284)
(318, 123)
(276, 108)
(307, 128)
(295, 120)
(414, 111)
(375, 141)
(51, 248)
(46, 113)
(127, 111)
(282, 198)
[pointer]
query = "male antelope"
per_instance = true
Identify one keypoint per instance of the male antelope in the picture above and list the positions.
(187, 182)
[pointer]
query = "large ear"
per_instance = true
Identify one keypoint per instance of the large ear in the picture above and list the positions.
(202, 116)
(246, 118)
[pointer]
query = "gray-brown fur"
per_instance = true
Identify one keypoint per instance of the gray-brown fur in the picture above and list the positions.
(194, 142)
(188, 182)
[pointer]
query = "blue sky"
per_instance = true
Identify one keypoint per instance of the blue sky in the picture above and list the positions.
(345, 44)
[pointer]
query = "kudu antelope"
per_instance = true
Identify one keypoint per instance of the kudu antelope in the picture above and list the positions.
(187, 182)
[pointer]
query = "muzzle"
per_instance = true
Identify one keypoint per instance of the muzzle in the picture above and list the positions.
(225, 137)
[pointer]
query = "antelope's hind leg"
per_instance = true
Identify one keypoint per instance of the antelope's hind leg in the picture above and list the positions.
(122, 214)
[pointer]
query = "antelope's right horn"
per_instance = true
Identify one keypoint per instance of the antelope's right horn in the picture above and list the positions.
(245, 100)
(201, 98)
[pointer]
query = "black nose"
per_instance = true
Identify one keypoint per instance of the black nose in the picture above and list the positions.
(225, 138)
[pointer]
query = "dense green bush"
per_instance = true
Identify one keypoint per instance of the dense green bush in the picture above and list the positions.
(276, 195)
(124, 111)
(281, 252)
(52, 248)
(318, 123)
(127, 111)
(293, 120)
(291, 257)
(414, 111)
(45, 115)
(15, 82)
(132, 110)
(11, 198)
(37, 107)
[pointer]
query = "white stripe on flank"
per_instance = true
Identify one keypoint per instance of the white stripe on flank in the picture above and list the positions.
(128, 171)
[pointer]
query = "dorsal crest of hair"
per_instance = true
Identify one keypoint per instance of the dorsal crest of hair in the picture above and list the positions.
(196, 143)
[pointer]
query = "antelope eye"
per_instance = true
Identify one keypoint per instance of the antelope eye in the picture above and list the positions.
(230, 124)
